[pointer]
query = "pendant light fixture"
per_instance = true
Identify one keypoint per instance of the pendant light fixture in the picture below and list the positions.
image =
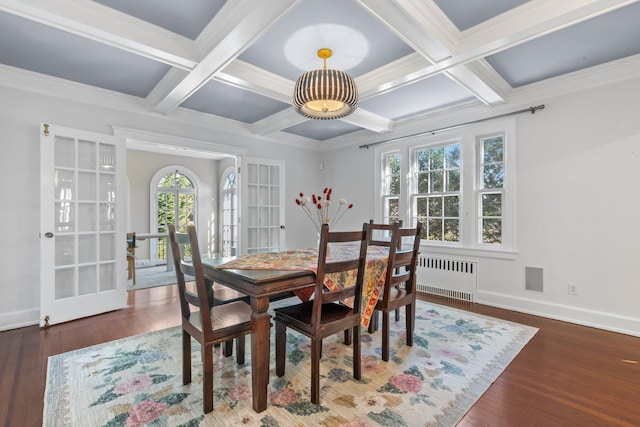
(325, 94)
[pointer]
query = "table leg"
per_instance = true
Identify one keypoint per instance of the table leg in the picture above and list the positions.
(260, 349)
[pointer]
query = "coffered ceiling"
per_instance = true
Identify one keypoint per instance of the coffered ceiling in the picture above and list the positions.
(234, 63)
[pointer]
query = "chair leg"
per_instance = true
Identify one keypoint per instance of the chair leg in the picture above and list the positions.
(240, 344)
(397, 314)
(357, 362)
(347, 337)
(228, 348)
(385, 336)
(186, 358)
(316, 348)
(410, 312)
(281, 347)
(373, 323)
(207, 379)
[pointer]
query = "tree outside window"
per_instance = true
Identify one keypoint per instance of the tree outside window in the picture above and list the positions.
(491, 191)
(391, 188)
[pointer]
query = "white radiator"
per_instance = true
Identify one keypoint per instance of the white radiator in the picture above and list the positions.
(447, 277)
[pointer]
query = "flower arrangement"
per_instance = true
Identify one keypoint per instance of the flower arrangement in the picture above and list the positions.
(318, 207)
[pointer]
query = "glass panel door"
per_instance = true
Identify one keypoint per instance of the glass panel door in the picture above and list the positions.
(264, 182)
(81, 258)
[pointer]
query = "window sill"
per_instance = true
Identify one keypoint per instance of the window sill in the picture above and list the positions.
(470, 252)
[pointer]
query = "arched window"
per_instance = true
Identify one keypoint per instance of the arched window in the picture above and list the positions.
(229, 213)
(175, 195)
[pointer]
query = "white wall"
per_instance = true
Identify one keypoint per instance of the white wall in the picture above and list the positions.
(578, 209)
(578, 165)
(21, 113)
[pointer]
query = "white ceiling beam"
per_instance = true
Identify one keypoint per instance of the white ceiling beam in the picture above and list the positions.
(391, 75)
(105, 25)
(276, 122)
(429, 38)
(234, 28)
(368, 120)
(423, 26)
(249, 77)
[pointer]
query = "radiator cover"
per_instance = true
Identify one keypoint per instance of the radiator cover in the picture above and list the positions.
(447, 277)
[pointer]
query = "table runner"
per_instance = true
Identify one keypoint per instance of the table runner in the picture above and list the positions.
(307, 259)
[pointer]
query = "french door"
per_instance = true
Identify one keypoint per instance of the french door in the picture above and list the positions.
(263, 185)
(82, 236)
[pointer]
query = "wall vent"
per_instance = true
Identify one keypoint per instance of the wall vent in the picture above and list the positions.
(447, 277)
(533, 279)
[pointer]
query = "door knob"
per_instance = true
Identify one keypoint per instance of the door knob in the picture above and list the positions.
(48, 234)
(282, 227)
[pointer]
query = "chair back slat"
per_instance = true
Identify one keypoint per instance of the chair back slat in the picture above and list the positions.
(201, 284)
(402, 263)
(182, 288)
(326, 266)
(378, 231)
(188, 298)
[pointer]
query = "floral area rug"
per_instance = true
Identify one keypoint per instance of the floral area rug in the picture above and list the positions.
(137, 381)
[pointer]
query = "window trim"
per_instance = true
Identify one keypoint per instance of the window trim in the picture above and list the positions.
(468, 136)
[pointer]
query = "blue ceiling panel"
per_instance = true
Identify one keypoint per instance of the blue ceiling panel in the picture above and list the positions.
(465, 14)
(584, 45)
(428, 94)
(232, 103)
(185, 17)
(321, 129)
(36, 47)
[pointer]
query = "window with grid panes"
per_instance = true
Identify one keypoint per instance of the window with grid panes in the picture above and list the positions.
(458, 184)
(490, 189)
(436, 199)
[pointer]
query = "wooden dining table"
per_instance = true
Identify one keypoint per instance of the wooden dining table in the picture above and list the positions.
(262, 284)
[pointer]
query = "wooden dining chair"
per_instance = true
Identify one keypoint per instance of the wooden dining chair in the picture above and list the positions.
(324, 315)
(207, 325)
(400, 281)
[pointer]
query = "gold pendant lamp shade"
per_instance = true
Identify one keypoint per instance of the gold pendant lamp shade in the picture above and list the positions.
(325, 94)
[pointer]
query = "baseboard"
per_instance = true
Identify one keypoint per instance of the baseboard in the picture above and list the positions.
(596, 319)
(19, 319)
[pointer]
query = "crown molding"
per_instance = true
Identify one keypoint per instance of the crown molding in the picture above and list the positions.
(145, 140)
(29, 81)
(621, 70)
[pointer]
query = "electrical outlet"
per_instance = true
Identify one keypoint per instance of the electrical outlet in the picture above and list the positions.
(572, 289)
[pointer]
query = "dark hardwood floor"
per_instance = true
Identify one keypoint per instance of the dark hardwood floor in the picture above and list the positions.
(567, 375)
